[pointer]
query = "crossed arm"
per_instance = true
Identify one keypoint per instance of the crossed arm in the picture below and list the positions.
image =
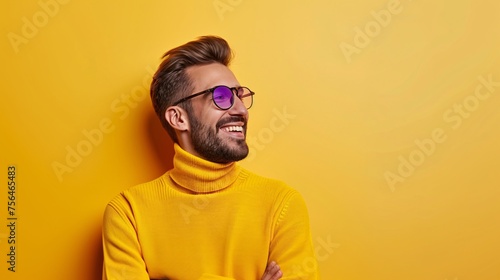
(273, 272)
(290, 247)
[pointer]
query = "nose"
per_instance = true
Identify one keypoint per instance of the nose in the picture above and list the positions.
(238, 108)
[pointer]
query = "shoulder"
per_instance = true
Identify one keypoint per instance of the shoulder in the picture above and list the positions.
(287, 205)
(278, 190)
(265, 182)
(138, 193)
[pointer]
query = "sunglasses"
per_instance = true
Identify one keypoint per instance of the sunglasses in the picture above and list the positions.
(223, 96)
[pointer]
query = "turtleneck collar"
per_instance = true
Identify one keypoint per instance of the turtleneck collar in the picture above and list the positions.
(199, 175)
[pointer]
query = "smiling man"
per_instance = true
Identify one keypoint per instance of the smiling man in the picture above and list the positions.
(208, 217)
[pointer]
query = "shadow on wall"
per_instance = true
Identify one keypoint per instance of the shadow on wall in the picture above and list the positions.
(97, 256)
(160, 146)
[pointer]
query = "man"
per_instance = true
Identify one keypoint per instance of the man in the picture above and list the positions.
(207, 218)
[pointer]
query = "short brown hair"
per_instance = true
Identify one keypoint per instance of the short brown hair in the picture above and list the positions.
(171, 83)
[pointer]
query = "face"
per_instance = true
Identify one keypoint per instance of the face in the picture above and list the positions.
(216, 135)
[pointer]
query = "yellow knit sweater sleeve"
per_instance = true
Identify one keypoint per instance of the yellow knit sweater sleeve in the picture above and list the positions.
(122, 252)
(291, 246)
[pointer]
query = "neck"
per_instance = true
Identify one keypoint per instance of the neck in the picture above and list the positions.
(199, 175)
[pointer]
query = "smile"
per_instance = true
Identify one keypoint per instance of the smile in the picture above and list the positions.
(233, 128)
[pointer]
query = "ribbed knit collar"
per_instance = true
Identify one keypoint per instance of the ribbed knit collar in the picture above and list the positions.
(199, 175)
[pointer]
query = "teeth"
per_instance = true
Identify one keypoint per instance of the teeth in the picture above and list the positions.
(233, 128)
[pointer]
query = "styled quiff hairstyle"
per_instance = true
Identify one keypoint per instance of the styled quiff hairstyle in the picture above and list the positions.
(171, 82)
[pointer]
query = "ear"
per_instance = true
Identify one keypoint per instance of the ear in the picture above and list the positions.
(177, 118)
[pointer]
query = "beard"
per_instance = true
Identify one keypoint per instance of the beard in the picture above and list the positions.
(210, 146)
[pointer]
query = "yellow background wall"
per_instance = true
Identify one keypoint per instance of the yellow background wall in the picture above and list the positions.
(383, 114)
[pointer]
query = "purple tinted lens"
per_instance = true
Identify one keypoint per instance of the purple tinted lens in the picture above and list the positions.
(223, 97)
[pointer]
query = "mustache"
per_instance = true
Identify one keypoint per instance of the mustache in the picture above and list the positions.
(230, 120)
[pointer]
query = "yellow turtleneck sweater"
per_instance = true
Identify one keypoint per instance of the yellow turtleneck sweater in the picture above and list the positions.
(203, 220)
